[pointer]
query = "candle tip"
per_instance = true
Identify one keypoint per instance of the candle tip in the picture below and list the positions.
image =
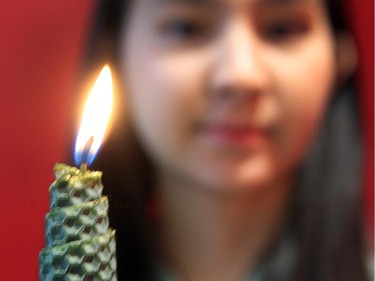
(84, 157)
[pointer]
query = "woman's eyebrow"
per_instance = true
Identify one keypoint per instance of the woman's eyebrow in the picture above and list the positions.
(244, 3)
(278, 2)
(190, 2)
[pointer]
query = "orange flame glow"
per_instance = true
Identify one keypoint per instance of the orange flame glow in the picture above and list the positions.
(95, 119)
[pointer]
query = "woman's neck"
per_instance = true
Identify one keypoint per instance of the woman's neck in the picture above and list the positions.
(210, 235)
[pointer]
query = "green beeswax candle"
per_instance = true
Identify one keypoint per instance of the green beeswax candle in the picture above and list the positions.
(79, 243)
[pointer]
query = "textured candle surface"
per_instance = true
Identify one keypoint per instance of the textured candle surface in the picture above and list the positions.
(79, 243)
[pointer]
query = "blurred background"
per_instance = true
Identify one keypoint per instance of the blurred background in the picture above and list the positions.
(41, 43)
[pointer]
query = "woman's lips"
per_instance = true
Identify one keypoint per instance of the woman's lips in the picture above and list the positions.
(235, 134)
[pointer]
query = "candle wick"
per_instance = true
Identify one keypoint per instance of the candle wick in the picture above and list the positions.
(86, 152)
(83, 167)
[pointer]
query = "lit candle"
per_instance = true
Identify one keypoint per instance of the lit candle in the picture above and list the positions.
(95, 119)
(79, 243)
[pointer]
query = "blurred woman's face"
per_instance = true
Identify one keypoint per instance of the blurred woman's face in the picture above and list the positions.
(227, 94)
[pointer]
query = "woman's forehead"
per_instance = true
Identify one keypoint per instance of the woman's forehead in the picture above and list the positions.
(225, 4)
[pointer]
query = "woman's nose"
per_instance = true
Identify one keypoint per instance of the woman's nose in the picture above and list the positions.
(239, 71)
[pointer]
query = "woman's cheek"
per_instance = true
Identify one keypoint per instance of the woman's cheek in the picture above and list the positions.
(304, 87)
(307, 109)
(164, 103)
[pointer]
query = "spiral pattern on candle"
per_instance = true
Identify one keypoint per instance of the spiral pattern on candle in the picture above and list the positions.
(79, 243)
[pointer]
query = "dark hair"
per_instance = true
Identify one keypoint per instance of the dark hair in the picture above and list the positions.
(325, 241)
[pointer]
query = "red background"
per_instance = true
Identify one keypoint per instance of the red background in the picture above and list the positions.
(40, 47)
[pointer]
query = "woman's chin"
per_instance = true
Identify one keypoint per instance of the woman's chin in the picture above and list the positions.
(249, 177)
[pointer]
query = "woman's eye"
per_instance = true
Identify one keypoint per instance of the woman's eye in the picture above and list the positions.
(186, 30)
(182, 28)
(282, 31)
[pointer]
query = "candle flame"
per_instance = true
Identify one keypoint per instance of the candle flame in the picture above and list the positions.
(95, 118)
